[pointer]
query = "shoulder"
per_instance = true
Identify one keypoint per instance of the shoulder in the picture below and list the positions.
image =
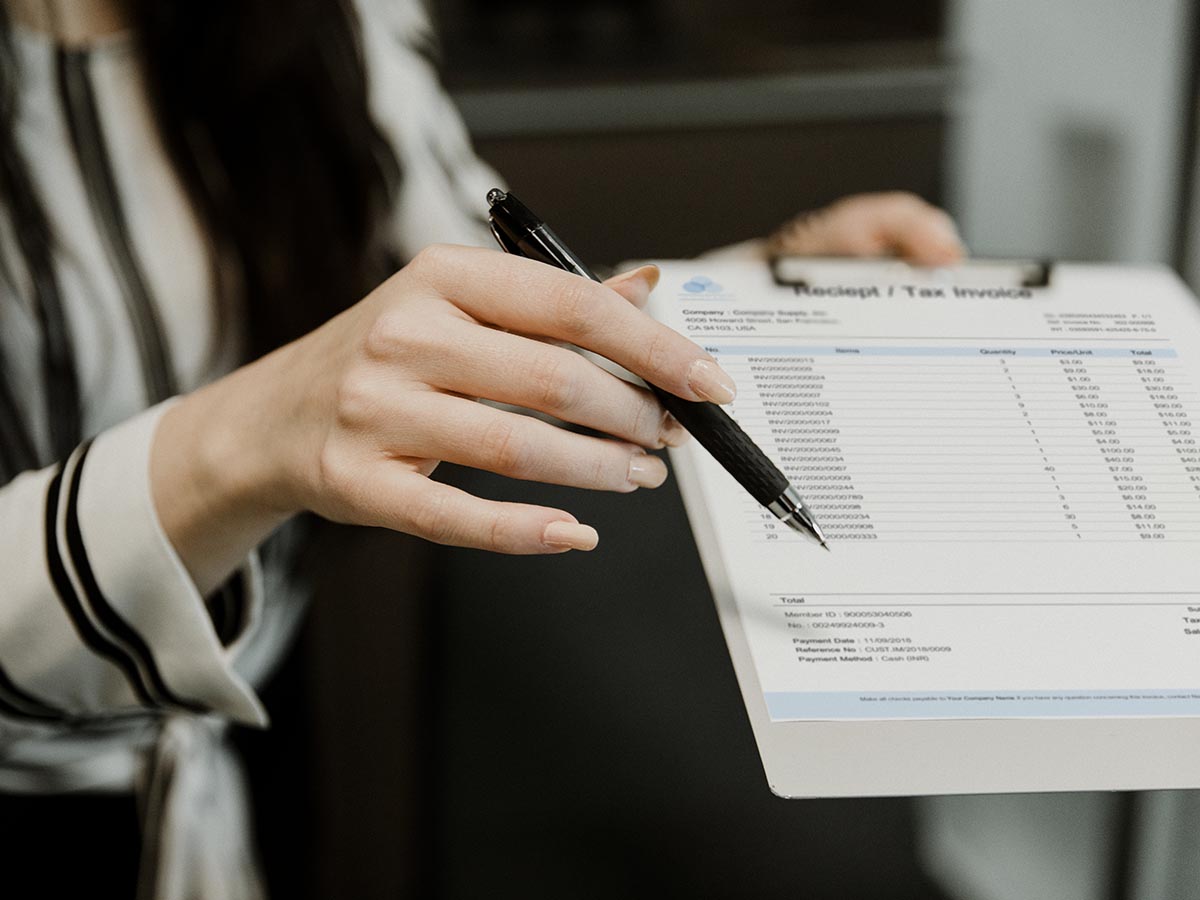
(398, 26)
(400, 54)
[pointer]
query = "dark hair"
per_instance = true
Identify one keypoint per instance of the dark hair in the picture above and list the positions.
(262, 107)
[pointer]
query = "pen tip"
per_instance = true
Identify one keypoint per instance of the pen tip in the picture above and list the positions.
(826, 546)
(495, 195)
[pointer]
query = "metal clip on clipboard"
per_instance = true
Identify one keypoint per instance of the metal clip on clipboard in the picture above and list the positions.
(813, 271)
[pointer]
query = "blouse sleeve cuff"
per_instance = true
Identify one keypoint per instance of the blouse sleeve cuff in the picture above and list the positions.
(143, 579)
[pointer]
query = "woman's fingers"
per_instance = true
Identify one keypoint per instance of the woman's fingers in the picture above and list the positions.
(534, 298)
(897, 223)
(510, 368)
(452, 325)
(472, 434)
(408, 502)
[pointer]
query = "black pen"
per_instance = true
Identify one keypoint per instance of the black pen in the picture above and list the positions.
(522, 233)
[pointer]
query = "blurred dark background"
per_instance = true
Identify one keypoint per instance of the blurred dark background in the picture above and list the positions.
(665, 128)
(466, 725)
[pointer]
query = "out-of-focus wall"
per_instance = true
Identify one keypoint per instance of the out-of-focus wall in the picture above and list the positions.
(1065, 138)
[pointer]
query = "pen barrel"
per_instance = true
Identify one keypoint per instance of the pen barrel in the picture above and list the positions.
(722, 437)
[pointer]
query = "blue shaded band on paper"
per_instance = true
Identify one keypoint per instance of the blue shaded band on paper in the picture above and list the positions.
(1067, 351)
(980, 704)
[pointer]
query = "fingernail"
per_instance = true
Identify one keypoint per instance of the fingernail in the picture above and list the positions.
(648, 273)
(711, 382)
(646, 470)
(673, 434)
(570, 536)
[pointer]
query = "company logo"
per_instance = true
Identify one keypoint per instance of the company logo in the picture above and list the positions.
(701, 284)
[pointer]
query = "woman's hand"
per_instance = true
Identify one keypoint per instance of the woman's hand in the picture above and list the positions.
(350, 420)
(892, 224)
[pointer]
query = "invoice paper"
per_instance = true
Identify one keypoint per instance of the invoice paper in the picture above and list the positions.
(1009, 479)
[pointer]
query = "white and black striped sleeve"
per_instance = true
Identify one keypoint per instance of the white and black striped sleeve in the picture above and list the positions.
(98, 616)
(444, 184)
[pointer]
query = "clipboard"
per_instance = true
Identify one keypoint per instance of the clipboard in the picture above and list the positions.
(961, 753)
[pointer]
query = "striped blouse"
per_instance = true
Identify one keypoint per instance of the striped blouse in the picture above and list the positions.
(113, 670)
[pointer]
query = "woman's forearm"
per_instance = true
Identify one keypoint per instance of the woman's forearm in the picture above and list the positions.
(208, 475)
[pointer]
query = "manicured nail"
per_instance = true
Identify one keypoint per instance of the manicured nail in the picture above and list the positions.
(711, 382)
(673, 434)
(646, 470)
(649, 273)
(570, 536)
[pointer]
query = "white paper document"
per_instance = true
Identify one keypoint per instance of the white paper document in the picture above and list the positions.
(1009, 479)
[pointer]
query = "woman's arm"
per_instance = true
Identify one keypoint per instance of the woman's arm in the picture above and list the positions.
(350, 421)
(105, 558)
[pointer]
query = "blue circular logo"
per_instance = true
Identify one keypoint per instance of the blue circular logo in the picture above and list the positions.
(701, 284)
